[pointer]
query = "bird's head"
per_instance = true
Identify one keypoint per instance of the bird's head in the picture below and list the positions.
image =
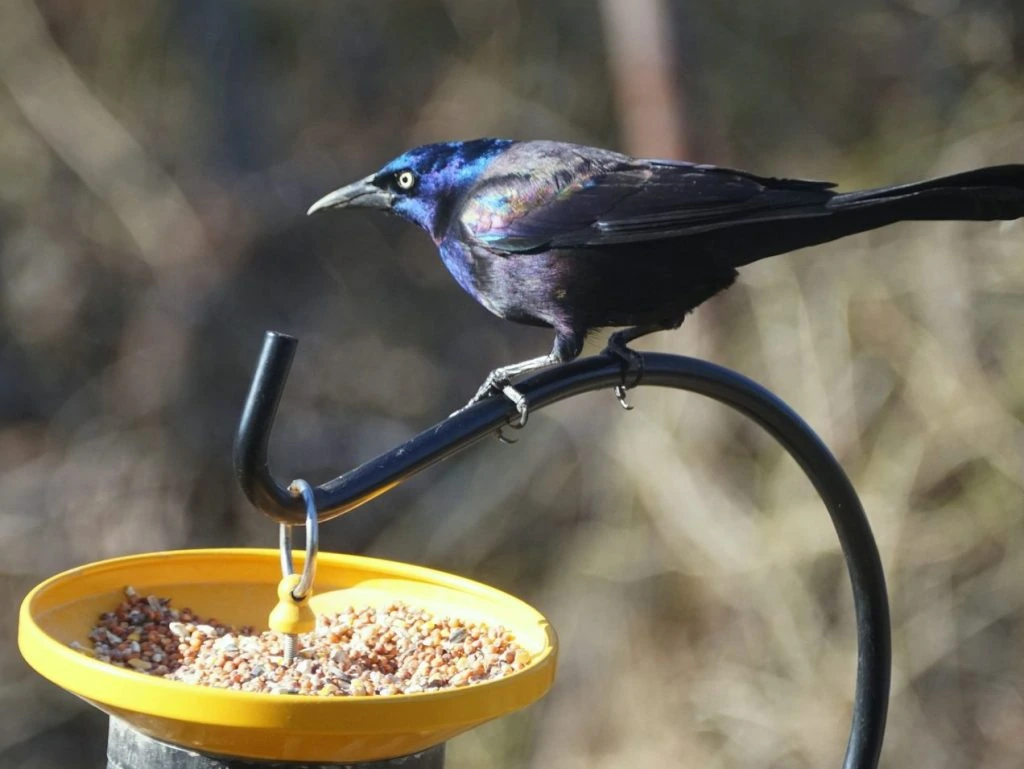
(420, 185)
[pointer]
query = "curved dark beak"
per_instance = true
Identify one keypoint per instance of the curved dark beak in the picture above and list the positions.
(364, 194)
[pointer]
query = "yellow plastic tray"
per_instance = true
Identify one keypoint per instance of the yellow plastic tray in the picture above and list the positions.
(239, 587)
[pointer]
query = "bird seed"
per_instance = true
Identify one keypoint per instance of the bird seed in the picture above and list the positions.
(359, 651)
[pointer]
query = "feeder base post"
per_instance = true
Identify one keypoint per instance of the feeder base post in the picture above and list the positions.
(131, 749)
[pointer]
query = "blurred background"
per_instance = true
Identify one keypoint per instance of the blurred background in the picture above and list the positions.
(156, 161)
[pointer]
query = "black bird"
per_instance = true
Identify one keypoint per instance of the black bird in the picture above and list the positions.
(577, 238)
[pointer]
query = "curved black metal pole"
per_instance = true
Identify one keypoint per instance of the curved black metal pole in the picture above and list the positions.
(456, 433)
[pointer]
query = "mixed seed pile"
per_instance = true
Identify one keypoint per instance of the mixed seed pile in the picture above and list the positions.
(363, 651)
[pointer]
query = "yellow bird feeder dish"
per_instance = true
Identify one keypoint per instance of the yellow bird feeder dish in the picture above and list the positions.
(239, 587)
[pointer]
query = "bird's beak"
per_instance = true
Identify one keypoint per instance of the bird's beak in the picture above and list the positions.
(363, 193)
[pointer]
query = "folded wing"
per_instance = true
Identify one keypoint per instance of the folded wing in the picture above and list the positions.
(594, 205)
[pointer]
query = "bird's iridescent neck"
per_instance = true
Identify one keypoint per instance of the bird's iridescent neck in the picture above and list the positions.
(447, 171)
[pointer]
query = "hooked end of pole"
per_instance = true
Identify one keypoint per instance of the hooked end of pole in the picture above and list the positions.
(257, 424)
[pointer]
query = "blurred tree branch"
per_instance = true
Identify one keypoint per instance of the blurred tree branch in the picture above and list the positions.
(649, 100)
(92, 142)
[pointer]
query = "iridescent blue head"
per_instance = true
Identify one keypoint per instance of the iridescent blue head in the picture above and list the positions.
(422, 184)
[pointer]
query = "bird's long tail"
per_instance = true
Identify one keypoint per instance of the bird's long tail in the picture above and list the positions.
(986, 194)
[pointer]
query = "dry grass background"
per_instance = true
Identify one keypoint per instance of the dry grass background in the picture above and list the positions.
(155, 161)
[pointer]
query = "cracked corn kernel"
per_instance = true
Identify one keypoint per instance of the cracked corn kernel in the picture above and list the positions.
(360, 651)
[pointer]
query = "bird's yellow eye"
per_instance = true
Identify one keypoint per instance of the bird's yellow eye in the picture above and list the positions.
(405, 179)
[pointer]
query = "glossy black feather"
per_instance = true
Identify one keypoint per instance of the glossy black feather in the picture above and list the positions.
(656, 201)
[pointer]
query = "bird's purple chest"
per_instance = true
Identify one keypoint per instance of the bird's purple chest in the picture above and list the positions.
(459, 261)
(518, 288)
(480, 276)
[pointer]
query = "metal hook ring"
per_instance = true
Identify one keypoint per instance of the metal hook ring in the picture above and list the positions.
(301, 488)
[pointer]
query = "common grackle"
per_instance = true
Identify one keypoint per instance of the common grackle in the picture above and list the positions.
(577, 238)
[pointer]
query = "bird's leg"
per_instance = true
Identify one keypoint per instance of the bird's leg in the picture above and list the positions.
(618, 345)
(501, 380)
(568, 344)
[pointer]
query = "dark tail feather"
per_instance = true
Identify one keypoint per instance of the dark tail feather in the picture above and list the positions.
(982, 195)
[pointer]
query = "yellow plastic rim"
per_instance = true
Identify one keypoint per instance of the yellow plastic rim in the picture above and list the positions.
(238, 587)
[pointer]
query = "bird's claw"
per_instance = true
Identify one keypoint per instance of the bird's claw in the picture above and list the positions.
(522, 407)
(620, 393)
(494, 385)
(632, 361)
(491, 385)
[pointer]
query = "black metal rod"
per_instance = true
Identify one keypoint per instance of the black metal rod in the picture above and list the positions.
(456, 433)
(253, 437)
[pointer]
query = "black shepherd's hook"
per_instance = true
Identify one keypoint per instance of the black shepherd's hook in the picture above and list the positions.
(379, 475)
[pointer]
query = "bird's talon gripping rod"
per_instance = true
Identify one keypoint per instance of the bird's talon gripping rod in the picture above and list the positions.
(522, 408)
(505, 390)
(620, 394)
(519, 400)
(631, 361)
(480, 420)
(500, 435)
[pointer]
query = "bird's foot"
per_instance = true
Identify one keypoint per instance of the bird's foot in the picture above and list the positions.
(498, 382)
(521, 405)
(620, 393)
(632, 364)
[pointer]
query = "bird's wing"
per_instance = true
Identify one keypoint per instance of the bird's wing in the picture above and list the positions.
(524, 211)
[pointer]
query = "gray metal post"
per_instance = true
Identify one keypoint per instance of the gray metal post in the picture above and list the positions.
(130, 749)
